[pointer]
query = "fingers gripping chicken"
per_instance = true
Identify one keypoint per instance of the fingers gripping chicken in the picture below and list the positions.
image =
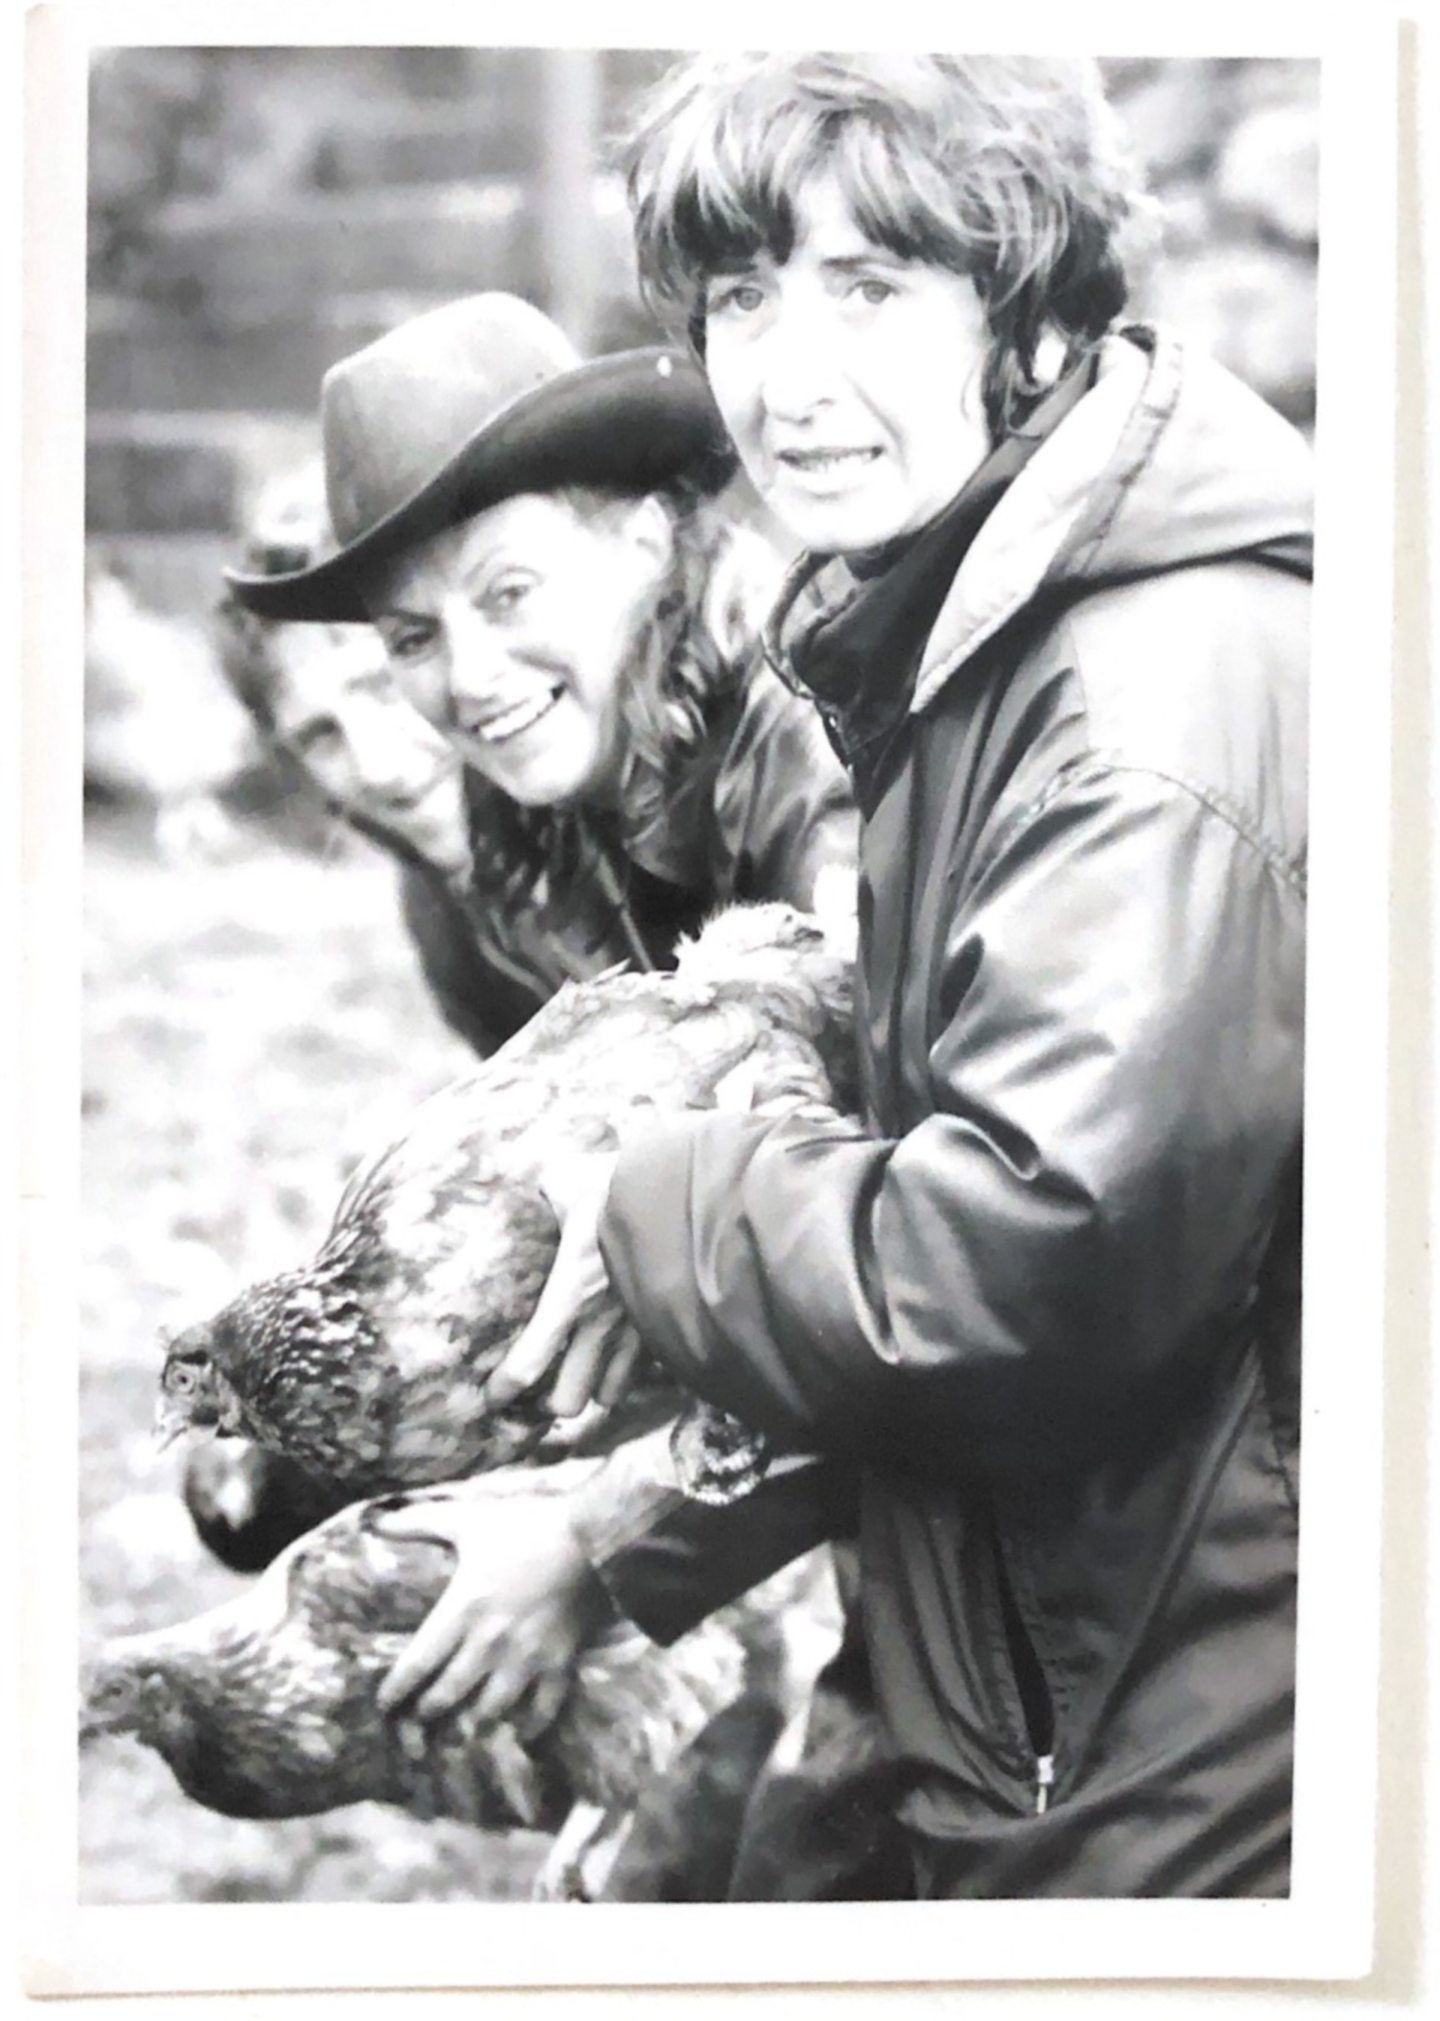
(368, 1366)
(266, 1707)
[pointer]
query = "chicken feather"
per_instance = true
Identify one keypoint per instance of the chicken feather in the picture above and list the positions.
(265, 1707)
(367, 1366)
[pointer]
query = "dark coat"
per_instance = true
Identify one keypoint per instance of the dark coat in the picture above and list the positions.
(1047, 1300)
(764, 809)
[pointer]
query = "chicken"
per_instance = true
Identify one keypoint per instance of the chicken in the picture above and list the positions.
(265, 1707)
(366, 1366)
(247, 1504)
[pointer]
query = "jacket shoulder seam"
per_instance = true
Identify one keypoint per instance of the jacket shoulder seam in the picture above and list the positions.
(1095, 764)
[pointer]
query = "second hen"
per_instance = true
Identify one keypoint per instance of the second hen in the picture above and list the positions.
(367, 1365)
(265, 1707)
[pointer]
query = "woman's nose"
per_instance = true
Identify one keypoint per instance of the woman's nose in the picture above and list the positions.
(796, 364)
(474, 654)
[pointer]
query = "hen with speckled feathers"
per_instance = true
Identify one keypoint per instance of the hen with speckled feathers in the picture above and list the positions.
(367, 1366)
(265, 1707)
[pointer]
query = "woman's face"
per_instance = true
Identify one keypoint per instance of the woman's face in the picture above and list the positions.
(850, 380)
(510, 634)
(336, 708)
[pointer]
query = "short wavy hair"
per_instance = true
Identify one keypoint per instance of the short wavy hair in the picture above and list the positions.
(1010, 170)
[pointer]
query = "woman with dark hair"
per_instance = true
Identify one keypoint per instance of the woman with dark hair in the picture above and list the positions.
(1043, 1308)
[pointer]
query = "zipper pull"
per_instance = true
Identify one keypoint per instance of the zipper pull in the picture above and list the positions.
(1044, 1778)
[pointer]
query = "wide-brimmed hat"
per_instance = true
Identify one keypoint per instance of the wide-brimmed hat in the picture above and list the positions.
(474, 403)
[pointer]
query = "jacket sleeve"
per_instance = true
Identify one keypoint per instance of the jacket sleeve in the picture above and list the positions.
(668, 1560)
(1112, 1074)
(783, 806)
(785, 824)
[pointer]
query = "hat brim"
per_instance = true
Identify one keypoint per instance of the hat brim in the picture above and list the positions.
(633, 421)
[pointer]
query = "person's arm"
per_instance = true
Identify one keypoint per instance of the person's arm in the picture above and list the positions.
(1115, 1090)
(530, 1593)
(668, 1560)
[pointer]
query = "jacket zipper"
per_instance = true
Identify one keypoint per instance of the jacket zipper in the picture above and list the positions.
(1036, 1705)
(1044, 1778)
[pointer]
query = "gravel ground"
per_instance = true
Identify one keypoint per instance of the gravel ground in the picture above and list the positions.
(248, 1025)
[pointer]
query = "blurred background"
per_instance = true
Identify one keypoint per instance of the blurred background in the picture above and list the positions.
(258, 213)
(250, 1001)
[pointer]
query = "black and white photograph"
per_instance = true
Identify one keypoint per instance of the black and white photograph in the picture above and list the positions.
(704, 1099)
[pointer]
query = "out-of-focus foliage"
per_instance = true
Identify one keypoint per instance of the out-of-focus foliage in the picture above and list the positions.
(1229, 146)
(257, 213)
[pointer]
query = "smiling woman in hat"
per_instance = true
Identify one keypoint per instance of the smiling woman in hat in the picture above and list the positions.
(326, 698)
(536, 540)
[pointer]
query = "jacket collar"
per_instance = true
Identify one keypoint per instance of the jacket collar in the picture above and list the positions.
(1169, 461)
(1166, 461)
(675, 844)
(860, 658)
(858, 652)
(1048, 505)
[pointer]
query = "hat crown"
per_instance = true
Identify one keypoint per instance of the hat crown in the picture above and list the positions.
(393, 414)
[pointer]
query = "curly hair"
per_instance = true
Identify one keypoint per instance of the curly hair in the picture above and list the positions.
(1010, 170)
(684, 663)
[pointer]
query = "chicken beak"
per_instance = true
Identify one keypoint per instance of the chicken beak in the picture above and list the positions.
(169, 1425)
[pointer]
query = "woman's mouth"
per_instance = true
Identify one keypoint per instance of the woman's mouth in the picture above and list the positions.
(516, 717)
(823, 460)
(825, 469)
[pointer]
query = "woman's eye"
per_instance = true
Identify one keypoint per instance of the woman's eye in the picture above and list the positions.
(408, 642)
(506, 596)
(874, 292)
(743, 297)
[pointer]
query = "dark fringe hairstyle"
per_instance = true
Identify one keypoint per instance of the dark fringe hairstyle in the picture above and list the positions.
(1010, 170)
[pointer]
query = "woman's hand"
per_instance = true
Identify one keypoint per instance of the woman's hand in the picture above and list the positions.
(521, 1605)
(576, 1337)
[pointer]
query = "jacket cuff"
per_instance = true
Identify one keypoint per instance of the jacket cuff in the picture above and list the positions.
(668, 1561)
(617, 1517)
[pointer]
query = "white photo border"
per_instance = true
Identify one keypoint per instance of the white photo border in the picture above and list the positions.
(1324, 1930)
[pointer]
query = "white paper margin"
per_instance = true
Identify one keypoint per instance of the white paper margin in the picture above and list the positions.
(1323, 1932)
